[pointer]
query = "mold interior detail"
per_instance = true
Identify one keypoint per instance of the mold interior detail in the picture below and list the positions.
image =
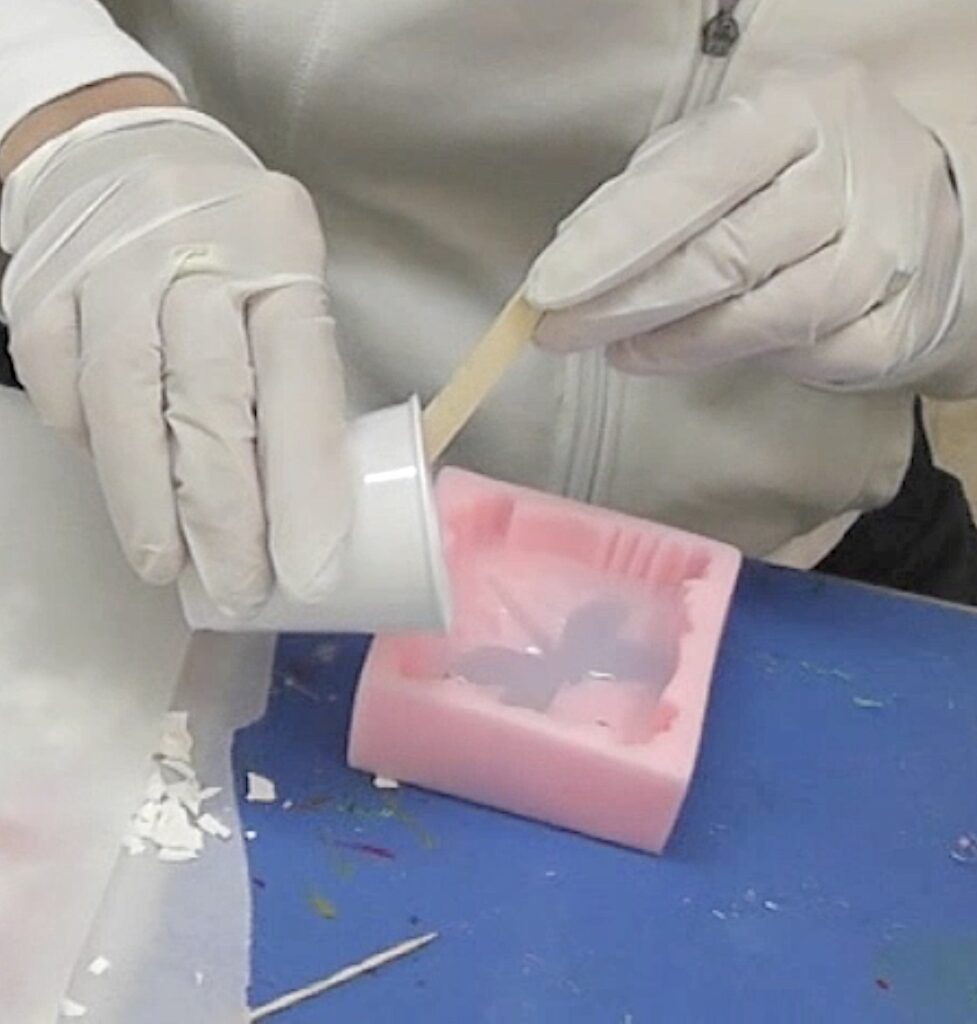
(563, 614)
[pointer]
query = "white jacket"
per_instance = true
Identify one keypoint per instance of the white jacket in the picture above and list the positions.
(444, 140)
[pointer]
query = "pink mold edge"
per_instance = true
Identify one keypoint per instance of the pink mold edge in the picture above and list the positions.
(468, 744)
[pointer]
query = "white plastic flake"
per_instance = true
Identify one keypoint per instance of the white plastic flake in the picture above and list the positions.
(171, 820)
(382, 782)
(213, 826)
(99, 966)
(177, 856)
(261, 790)
(69, 1008)
(175, 830)
(156, 787)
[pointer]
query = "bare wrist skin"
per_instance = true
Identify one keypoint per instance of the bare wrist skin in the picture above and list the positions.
(65, 112)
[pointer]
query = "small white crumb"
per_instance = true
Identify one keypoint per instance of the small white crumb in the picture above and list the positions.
(249, 833)
(288, 805)
(213, 826)
(719, 915)
(198, 977)
(208, 793)
(69, 1008)
(176, 743)
(99, 966)
(549, 874)
(771, 905)
(174, 856)
(133, 845)
(382, 782)
(261, 790)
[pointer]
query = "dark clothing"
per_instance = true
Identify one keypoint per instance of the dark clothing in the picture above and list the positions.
(923, 542)
(7, 376)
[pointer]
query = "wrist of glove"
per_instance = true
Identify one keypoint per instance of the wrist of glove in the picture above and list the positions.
(167, 306)
(811, 224)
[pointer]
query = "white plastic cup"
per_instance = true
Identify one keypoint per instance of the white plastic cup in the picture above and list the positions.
(391, 575)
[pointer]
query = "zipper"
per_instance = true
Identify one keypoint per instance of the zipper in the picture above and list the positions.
(718, 36)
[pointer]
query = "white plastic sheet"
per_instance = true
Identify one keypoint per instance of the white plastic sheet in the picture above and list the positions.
(90, 659)
(178, 935)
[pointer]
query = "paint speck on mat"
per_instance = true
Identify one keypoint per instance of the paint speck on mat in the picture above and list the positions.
(325, 653)
(771, 905)
(323, 907)
(867, 702)
(71, 1009)
(964, 850)
(373, 851)
(261, 790)
(250, 834)
(291, 683)
(99, 966)
(382, 782)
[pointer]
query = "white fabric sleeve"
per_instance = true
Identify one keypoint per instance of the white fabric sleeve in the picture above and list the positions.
(52, 47)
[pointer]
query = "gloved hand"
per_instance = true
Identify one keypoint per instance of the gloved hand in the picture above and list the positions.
(167, 306)
(811, 223)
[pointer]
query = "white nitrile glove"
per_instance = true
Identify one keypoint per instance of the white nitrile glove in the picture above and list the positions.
(168, 308)
(811, 223)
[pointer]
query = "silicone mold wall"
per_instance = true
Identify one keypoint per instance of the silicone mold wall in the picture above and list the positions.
(573, 685)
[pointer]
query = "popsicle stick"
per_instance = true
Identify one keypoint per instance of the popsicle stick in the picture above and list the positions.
(371, 963)
(484, 367)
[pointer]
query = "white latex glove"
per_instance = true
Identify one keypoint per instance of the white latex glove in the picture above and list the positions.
(168, 308)
(812, 223)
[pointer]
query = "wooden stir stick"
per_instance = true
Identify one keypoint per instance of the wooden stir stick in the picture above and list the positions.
(484, 367)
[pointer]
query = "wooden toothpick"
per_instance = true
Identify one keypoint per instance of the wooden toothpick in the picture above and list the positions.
(371, 963)
(484, 367)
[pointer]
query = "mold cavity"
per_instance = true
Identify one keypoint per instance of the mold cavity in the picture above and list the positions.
(562, 614)
(604, 667)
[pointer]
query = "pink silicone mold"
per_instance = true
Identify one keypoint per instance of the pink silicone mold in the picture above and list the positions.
(573, 685)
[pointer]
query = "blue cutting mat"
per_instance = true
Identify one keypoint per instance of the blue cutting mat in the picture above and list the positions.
(810, 878)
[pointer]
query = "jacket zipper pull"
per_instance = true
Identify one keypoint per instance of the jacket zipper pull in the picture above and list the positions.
(721, 32)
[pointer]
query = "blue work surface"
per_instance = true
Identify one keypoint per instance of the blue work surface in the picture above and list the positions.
(810, 879)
